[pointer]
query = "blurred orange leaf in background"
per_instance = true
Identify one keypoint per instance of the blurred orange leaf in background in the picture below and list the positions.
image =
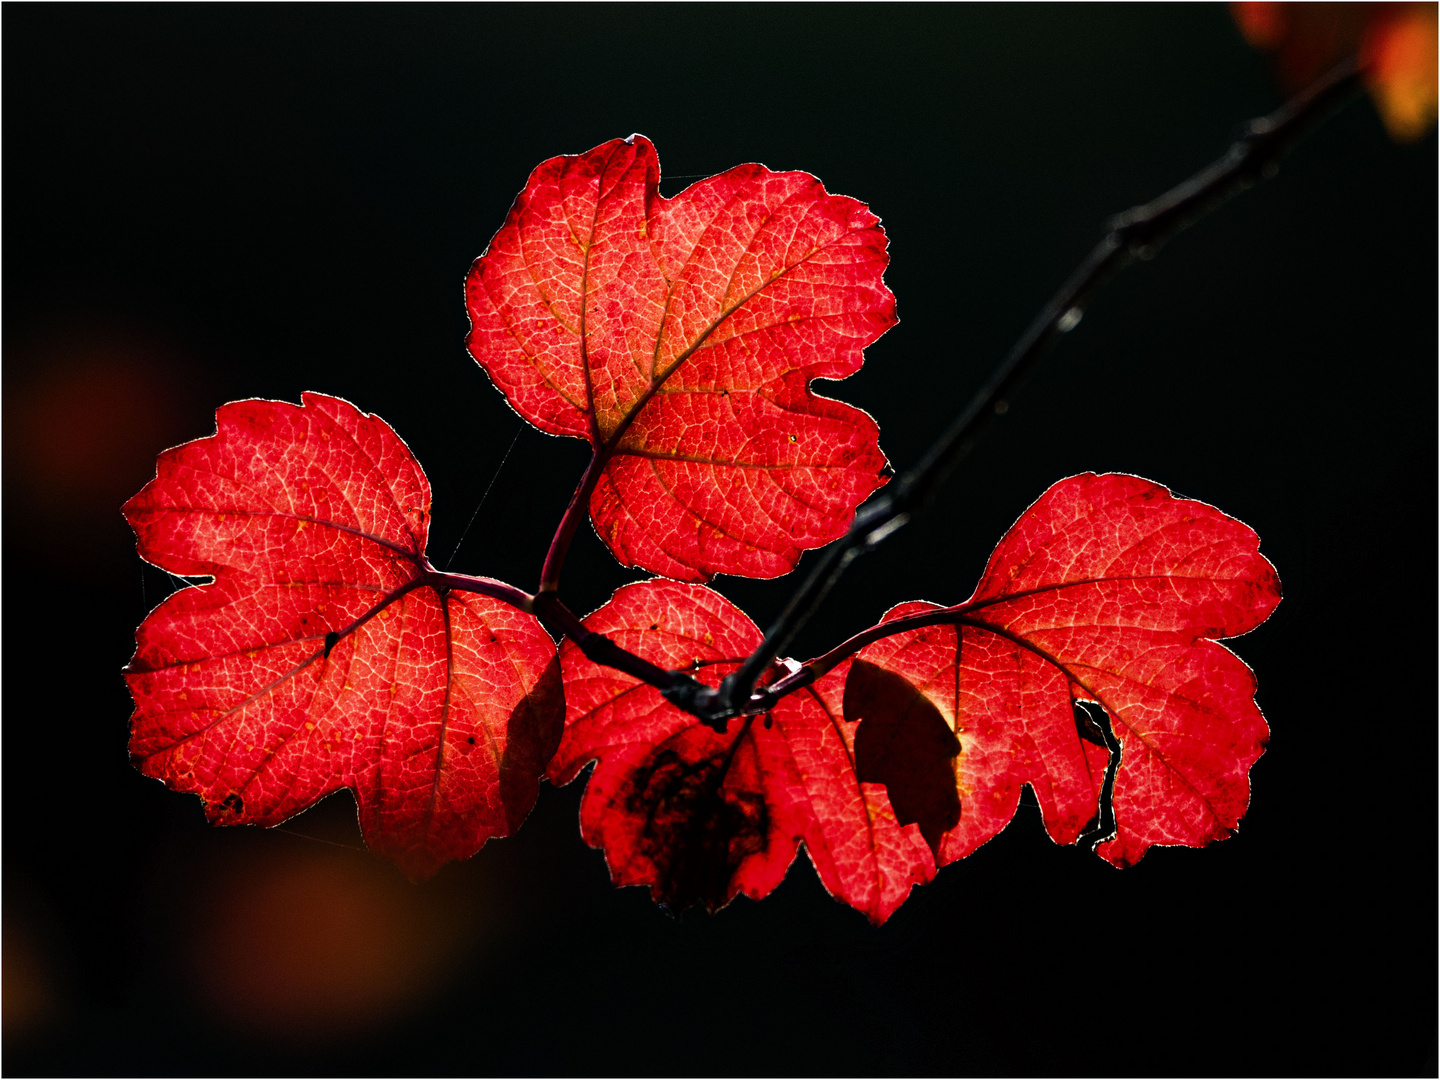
(314, 945)
(1395, 43)
(89, 401)
(28, 988)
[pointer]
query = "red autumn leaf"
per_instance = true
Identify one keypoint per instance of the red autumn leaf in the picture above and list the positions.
(680, 336)
(700, 816)
(1396, 44)
(1108, 589)
(260, 694)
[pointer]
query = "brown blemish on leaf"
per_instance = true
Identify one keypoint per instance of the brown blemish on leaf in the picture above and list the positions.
(697, 832)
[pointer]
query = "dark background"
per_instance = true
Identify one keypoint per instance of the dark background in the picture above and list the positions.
(203, 204)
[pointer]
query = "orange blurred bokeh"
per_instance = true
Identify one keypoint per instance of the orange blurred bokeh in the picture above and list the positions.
(308, 942)
(28, 996)
(89, 402)
(1396, 44)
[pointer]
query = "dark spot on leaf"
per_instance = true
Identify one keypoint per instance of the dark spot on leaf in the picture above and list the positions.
(697, 832)
(654, 626)
(904, 743)
(233, 804)
(471, 740)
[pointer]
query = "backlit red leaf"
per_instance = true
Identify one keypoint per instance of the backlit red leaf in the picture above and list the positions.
(439, 712)
(680, 336)
(1112, 590)
(700, 816)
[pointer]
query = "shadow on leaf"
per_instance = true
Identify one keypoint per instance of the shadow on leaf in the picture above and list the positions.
(532, 734)
(904, 743)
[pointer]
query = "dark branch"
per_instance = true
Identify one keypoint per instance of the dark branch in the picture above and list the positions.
(678, 686)
(1137, 233)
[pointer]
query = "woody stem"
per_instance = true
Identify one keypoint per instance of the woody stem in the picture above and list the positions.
(569, 522)
(1137, 233)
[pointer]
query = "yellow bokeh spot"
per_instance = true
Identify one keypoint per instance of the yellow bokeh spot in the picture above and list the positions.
(1403, 74)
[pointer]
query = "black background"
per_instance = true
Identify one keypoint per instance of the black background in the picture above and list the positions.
(203, 204)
